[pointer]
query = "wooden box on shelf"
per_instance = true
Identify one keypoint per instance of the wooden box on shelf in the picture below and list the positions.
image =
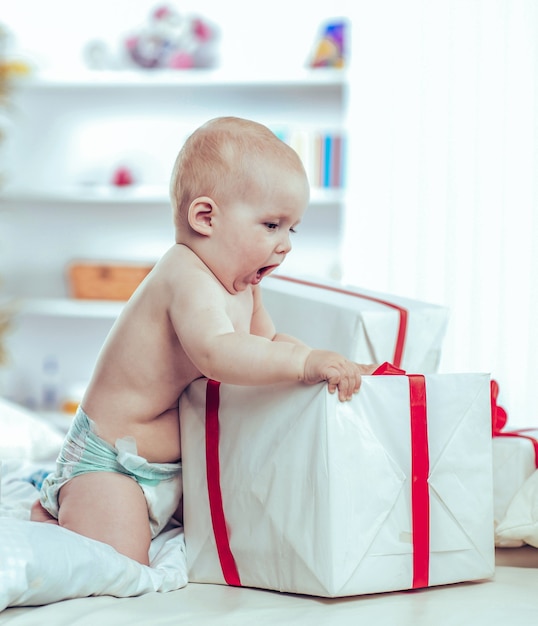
(105, 280)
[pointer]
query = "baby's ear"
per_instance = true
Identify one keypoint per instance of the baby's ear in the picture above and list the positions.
(200, 214)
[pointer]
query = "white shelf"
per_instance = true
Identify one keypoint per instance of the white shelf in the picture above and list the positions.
(136, 194)
(95, 79)
(70, 307)
(98, 194)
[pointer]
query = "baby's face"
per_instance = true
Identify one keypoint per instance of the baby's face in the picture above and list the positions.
(257, 231)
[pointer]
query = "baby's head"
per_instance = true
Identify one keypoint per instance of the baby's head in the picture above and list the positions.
(228, 159)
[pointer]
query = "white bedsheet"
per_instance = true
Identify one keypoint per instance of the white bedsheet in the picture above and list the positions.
(509, 599)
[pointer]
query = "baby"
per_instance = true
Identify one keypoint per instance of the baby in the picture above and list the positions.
(238, 193)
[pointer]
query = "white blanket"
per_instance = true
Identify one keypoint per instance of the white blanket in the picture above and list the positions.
(43, 563)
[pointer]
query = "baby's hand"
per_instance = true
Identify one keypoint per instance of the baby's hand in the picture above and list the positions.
(339, 373)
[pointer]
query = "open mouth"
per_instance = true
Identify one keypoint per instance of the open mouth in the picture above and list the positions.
(263, 271)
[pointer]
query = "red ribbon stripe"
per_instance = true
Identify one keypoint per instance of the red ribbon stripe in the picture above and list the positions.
(218, 520)
(420, 470)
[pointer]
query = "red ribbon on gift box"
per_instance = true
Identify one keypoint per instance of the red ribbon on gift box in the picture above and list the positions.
(499, 418)
(227, 561)
(420, 468)
(403, 313)
(420, 471)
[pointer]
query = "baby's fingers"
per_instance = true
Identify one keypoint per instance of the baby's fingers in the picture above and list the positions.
(335, 382)
(346, 389)
(350, 383)
(343, 396)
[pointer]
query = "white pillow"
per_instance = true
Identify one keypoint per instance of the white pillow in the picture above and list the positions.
(47, 563)
(24, 435)
(520, 524)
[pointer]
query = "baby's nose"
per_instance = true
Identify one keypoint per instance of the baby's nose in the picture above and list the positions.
(285, 244)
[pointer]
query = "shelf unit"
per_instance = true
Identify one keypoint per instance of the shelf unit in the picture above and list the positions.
(70, 130)
(67, 133)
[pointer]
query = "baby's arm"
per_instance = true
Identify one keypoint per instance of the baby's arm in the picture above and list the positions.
(320, 365)
(220, 351)
(214, 331)
(263, 325)
(245, 359)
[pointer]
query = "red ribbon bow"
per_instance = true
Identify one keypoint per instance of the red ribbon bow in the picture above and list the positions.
(498, 414)
(499, 419)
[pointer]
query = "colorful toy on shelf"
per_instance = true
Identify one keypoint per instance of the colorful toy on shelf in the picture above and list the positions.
(330, 50)
(172, 40)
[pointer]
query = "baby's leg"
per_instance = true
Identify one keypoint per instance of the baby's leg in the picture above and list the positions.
(110, 508)
(40, 514)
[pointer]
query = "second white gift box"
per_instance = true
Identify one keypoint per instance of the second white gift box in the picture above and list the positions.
(286, 488)
(365, 326)
(515, 458)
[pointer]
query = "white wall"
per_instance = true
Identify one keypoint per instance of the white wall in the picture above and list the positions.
(444, 205)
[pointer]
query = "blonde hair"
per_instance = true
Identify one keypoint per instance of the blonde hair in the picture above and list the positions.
(219, 158)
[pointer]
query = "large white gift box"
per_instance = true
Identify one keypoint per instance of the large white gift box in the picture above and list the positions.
(286, 488)
(363, 325)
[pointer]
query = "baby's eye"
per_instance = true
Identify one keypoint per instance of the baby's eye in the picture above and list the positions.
(271, 225)
(292, 230)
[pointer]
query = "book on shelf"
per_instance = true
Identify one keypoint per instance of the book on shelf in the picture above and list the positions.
(322, 153)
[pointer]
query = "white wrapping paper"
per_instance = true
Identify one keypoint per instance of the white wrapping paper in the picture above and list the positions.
(513, 462)
(316, 494)
(365, 329)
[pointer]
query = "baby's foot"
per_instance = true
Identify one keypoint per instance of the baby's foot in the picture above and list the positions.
(39, 514)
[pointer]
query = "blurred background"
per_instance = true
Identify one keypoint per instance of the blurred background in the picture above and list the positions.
(419, 134)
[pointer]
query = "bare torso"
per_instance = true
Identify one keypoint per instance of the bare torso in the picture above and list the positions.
(143, 369)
